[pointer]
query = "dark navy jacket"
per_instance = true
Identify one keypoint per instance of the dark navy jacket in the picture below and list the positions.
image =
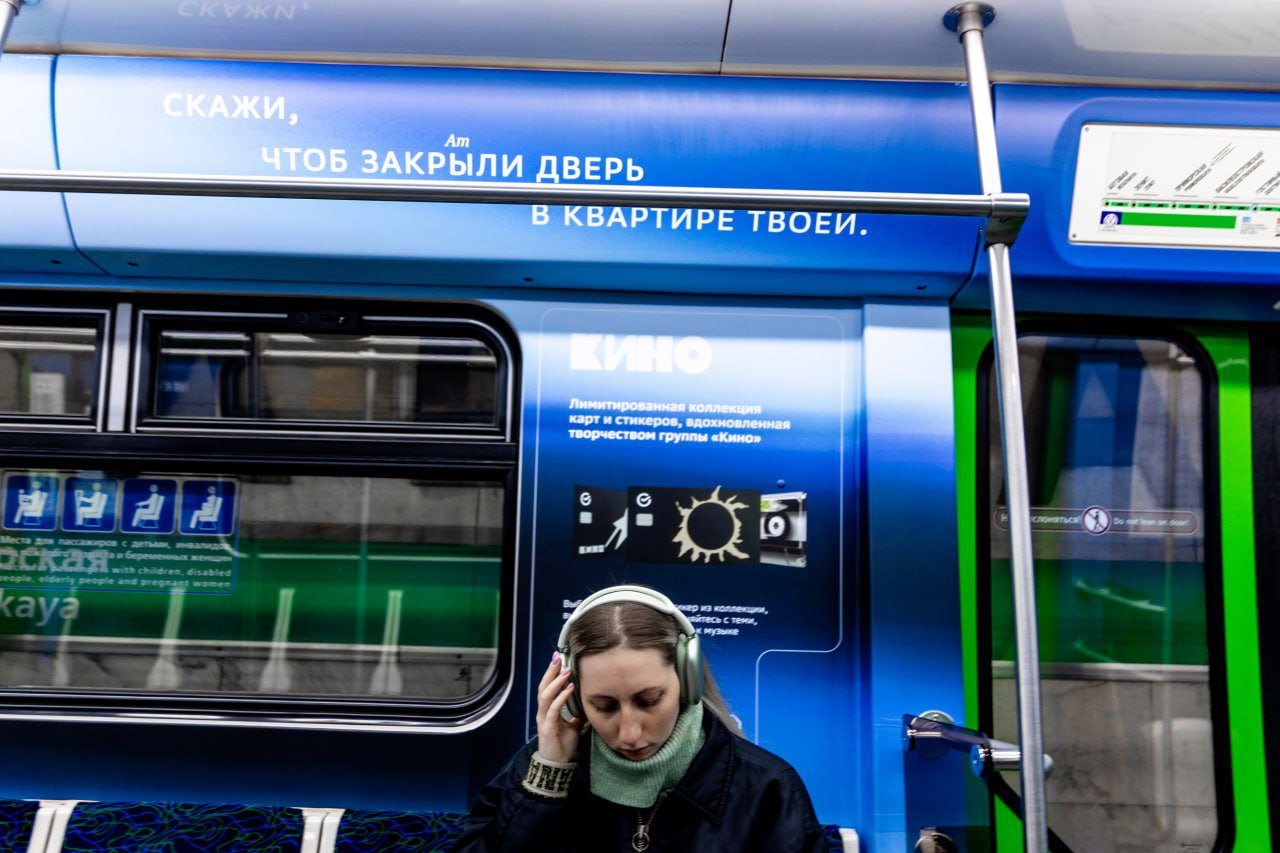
(735, 798)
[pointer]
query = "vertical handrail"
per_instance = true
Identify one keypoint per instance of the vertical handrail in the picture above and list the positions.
(8, 11)
(968, 20)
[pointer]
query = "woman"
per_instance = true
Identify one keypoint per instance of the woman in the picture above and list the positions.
(636, 751)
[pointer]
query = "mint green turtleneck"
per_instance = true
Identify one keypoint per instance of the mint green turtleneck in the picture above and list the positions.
(637, 783)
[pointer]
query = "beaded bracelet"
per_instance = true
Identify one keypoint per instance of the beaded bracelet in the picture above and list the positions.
(548, 778)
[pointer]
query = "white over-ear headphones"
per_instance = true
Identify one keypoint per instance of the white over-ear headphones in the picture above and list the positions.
(688, 646)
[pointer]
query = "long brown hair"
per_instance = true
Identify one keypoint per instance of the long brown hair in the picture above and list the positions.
(637, 626)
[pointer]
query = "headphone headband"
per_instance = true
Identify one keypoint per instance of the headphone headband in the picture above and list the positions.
(624, 593)
(688, 654)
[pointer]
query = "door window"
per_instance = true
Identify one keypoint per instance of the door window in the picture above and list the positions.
(1126, 587)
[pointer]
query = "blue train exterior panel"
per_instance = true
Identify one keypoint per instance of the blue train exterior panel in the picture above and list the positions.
(910, 577)
(644, 424)
(709, 452)
(34, 237)
(236, 118)
(1039, 129)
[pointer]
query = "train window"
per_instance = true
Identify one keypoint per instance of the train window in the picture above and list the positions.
(326, 586)
(1127, 589)
(281, 523)
(50, 367)
(390, 376)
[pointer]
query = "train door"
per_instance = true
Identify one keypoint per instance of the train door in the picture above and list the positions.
(1264, 362)
(1141, 526)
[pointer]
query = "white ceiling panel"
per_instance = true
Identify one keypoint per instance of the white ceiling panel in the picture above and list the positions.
(649, 34)
(1229, 44)
(1232, 43)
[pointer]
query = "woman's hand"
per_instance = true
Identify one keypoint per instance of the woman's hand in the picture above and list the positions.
(557, 739)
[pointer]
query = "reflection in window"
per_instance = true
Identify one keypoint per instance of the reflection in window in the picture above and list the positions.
(48, 370)
(257, 586)
(284, 376)
(1116, 466)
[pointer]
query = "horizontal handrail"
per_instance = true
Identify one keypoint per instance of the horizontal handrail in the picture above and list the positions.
(1106, 593)
(1001, 205)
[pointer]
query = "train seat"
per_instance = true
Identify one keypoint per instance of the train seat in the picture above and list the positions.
(73, 826)
(363, 831)
(367, 831)
(98, 826)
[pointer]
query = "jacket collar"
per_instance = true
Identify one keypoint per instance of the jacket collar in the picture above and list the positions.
(705, 785)
(709, 779)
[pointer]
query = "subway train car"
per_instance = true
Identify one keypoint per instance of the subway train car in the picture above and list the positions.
(344, 348)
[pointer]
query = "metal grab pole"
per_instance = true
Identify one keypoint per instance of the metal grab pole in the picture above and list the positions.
(8, 11)
(968, 21)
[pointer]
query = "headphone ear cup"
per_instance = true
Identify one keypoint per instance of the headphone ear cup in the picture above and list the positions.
(689, 668)
(573, 704)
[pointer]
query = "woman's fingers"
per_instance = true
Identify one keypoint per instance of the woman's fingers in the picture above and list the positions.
(553, 688)
(558, 730)
(553, 669)
(549, 692)
(558, 703)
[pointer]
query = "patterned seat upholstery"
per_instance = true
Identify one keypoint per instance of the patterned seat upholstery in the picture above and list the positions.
(183, 828)
(379, 831)
(17, 817)
(200, 828)
(370, 831)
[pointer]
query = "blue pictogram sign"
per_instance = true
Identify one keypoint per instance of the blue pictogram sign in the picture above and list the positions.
(90, 505)
(148, 506)
(30, 502)
(208, 508)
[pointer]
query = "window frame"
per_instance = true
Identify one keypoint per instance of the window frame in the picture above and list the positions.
(149, 327)
(98, 318)
(117, 441)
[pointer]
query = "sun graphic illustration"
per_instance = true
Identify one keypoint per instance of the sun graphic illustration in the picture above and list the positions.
(717, 518)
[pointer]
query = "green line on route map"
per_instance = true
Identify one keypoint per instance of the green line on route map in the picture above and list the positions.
(1180, 220)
